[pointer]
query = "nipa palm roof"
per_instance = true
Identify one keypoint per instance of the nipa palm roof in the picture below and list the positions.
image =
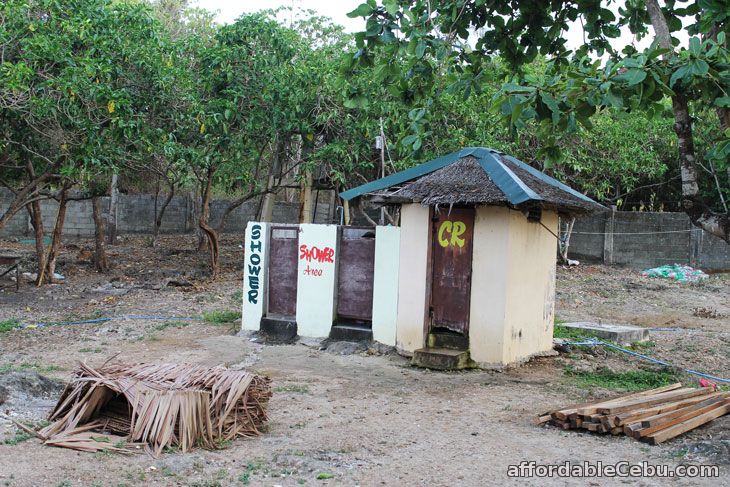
(476, 175)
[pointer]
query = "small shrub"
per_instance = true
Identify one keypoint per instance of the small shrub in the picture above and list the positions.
(19, 437)
(633, 380)
(219, 317)
(7, 325)
(560, 331)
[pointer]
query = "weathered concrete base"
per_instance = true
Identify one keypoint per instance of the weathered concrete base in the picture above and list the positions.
(453, 341)
(351, 333)
(621, 334)
(280, 330)
(441, 359)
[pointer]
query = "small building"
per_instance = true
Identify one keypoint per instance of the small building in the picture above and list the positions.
(478, 247)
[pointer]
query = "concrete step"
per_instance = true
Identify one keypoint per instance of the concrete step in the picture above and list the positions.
(621, 334)
(278, 330)
(441, 358)
(351, 333)
(455, 341)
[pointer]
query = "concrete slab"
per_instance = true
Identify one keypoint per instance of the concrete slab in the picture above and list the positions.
(621, 334)
(441, 359)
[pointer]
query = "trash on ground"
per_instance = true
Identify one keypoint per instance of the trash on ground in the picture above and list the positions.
(678, 272)
(122, 408)
(652, 416)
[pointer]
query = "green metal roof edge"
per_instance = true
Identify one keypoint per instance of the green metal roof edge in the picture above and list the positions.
(402, 176)
(551, 181)
(508, 182)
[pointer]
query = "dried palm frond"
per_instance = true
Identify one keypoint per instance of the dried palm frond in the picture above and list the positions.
(158, 406)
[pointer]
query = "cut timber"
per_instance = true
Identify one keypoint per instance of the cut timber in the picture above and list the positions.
(585, 409)
(652, 400)
(645, 415)
(675, 417)
(634, 416)
(676, 430)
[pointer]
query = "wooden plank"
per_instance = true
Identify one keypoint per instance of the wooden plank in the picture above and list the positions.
(653, 400)
(666, 416)
(633, 416)
(681, 415)
(678, 429)
(543, 419)
(585, 409)
(591, 408)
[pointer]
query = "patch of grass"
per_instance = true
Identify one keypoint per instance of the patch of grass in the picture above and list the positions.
(103, 454)
(324, 476)
(298, 388)
(7, 325)
(301, 481)
(633, 380)
(91, 350)
(221, 474)
(237, 297)
(222, 444)
(560, 331)
(639, 346)
(245, 478)
(171, 324)
(19, 437)
(207, 483)
(4, 368)
(221, 316)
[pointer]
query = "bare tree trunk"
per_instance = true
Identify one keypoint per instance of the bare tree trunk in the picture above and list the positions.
(22, 195)
(113, 200)
(57, 235)
(100, 261)
(159, 214)
(305, 199)
(564, 240)
(346, 217)
(202, 241)
(36, 218)
(232, 205)
(699, 213)
(209, 231)
(267, 206)
(361, 207)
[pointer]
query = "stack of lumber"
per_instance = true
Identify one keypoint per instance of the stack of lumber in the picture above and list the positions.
(652, 416)
(156, 406)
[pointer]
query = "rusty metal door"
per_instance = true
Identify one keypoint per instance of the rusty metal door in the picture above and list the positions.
(283, 271)
(451, 258)
(355, 274)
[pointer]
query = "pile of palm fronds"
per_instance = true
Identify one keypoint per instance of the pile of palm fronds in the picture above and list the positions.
(157, 406)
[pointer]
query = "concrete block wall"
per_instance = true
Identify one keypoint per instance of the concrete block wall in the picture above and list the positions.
(136, 215)
(643, 239)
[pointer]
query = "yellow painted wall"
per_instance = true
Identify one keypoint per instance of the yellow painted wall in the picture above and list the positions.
(488, 285)
(530, 287)
(412, 277)
(513, 286)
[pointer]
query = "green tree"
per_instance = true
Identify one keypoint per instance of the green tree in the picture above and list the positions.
(437, 56)
(78, 81)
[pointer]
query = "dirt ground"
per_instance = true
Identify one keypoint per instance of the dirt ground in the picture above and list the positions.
(361, 418)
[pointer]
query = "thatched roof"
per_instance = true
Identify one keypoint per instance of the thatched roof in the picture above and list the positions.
(476, 176)
(156, 406)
